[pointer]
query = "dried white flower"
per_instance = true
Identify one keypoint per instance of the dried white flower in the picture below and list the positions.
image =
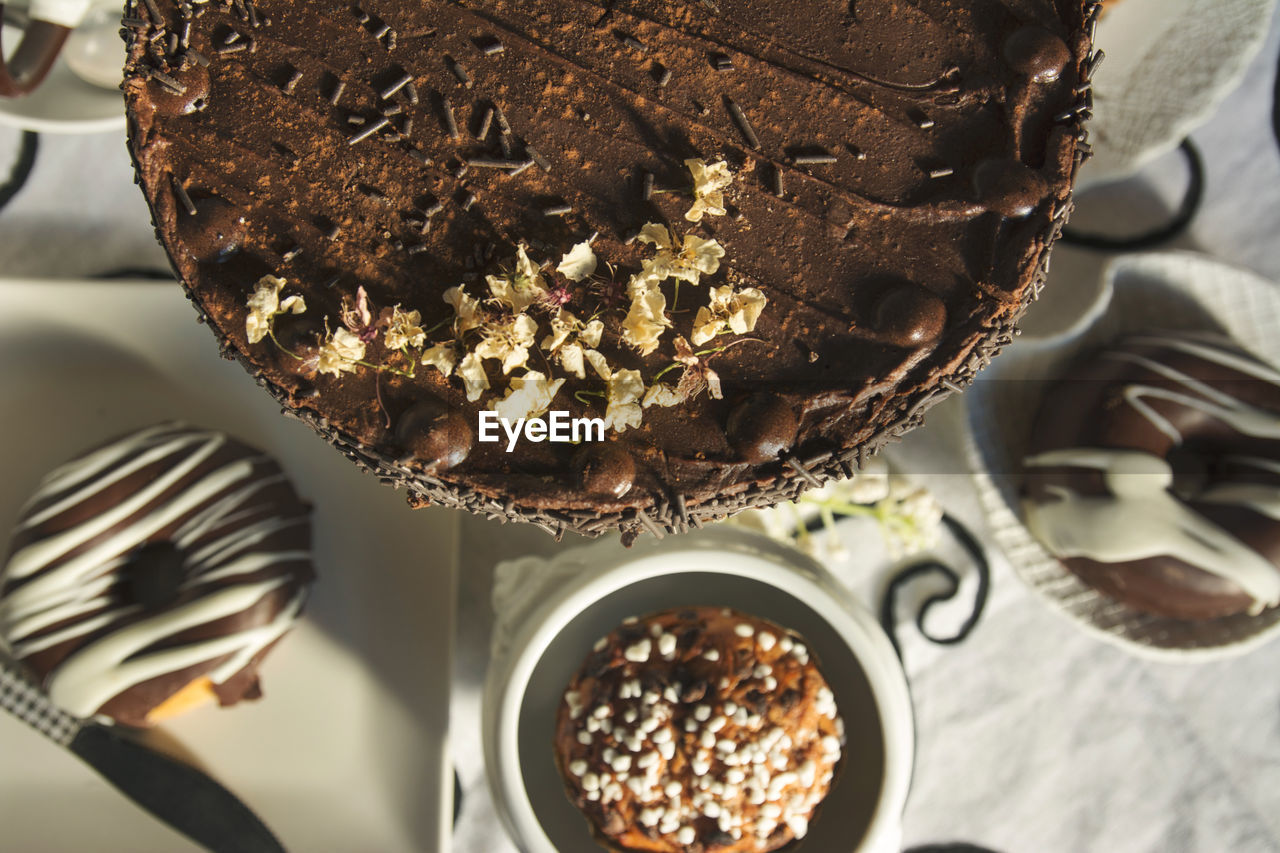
(578, 263)
(698, 375)
(570, 339)
(694, 258)
(466, 310)
(508, 341)
(264, 305)
(473, 376)
(528, 396)
(662, 395)
(624, 390)
(521, 288)
(403, 328)
(736, 311)
(708, 184)
(340, 352)
(647, 318)
(442, 357)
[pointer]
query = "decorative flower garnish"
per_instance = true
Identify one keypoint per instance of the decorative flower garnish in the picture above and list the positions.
(521, 288)
(357, 317)
(265, 304)
(647, 318)
(696, 378)
(662, 395)
(623, 392)
(727, 309)
(466, 311)
(473, 376)
(570, 339)
(698, 375)
(339, 353)
(442, 357)
(708, 185)
(578, 263)
(528, 396)
(693, 258)
(403, 329)
(909, 516)
(508, 340)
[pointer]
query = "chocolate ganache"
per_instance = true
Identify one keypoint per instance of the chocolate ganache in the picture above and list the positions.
(155, 571)
(754, 239)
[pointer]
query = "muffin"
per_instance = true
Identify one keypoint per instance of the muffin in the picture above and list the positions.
(1154, 475)
(154, 573)
(698, 256)
(698, 729)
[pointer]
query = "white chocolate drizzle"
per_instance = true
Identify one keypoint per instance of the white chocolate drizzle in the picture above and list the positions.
(1142, 518)
(60, 586)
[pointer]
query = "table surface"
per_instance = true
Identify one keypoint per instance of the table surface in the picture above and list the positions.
(1032, 735)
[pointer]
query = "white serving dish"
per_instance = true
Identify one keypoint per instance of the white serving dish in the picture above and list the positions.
(1169, 64)
(347, 750)
(551, 613)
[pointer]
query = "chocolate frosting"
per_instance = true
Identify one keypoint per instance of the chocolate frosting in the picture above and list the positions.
(407, 148)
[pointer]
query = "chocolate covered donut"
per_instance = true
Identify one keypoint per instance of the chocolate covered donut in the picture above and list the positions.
(1154, 475)
(754, 239)
(154, 571)
(699, 729)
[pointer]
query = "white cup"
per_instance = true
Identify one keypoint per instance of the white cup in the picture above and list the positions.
(50, 24)
(551, 612)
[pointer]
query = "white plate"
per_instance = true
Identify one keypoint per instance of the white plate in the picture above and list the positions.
(64, 103)
(1173, 290)
(347, 749)
(1169, 63)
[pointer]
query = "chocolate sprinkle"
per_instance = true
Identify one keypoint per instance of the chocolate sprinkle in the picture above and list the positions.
(369, 130)
(181, 192)
(450, 120)
(486, 122)
(494, 163)
(389, 92)
(740, 119)
(814, 159)
(458, 71)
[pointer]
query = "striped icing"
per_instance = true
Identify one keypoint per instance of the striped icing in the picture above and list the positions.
(58, 587)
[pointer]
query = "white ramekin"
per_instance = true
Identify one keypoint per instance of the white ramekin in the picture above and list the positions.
(551, 613)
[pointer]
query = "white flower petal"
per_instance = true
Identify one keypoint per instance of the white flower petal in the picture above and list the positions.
(442, 357)
(473, 376)
(579, 263)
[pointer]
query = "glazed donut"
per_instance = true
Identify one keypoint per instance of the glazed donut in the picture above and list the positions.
(698, 729)
(1154, 475)
(153, 571)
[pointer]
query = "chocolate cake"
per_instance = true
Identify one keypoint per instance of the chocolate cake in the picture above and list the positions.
(1154, 475)
(744, 241)
(153, 573)
(699, 729)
